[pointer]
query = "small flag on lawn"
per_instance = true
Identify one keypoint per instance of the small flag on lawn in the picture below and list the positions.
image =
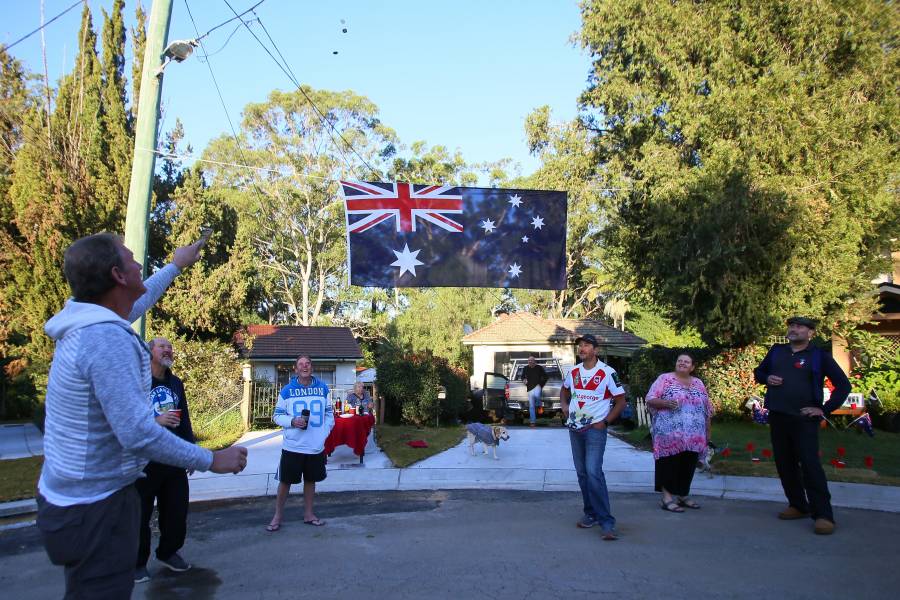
(411, 235)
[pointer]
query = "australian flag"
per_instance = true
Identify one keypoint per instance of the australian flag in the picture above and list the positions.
(411, 235)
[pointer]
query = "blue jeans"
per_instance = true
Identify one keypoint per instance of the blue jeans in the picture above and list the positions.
(534, 398)
(587, 452)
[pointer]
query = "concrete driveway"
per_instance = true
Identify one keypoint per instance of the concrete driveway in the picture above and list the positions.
(501, 544)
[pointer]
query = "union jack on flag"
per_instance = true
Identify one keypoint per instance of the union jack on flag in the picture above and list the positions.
(404, 202)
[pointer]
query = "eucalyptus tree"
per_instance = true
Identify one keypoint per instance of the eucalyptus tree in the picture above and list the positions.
(295, 148)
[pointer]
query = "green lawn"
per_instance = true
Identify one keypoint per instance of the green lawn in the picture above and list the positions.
(18, 477)
(884, 449)
(392, 440)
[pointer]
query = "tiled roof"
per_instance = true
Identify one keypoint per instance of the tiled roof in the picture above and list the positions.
(290, 341)
(519, 328)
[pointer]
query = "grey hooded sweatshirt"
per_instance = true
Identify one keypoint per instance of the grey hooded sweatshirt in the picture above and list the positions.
(100, 431)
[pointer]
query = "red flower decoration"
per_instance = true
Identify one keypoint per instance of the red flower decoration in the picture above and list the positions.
(840, 464)
(869, 461)
(727, 452)
(767, 453)
(834, 462)
(750, 447)
(841, 451)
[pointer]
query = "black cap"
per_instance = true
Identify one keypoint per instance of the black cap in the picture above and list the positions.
(590, 339)
(805, 321)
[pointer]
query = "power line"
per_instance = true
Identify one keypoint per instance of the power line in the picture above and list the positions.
(28, 35)
(237, 140)
(191, 157)
(237, 16)
(287, 71)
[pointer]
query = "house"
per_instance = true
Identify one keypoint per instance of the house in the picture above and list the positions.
(519, 335)
(270, 351)
(885, 322)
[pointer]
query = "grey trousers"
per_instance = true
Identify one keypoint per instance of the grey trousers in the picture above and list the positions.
(97, 543)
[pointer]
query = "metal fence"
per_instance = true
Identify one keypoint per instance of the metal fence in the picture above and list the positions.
(263, 396)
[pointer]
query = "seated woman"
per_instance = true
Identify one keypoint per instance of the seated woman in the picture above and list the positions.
(681, 413)
(359, 397)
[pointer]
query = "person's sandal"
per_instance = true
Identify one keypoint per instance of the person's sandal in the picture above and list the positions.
(684, 502)
(671, 506)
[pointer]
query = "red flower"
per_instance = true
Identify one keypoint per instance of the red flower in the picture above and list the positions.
(726, 452)
(767, 453)
(840, 464)
(841, 451)
(750, 447)
(869, 461)
(834, 462)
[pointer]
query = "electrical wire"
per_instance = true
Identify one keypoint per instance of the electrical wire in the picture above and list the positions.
(237, 140)
(28, 35)
(287, 71)
(237, 16)
(192, 158)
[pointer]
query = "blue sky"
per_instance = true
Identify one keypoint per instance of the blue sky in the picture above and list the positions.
(463, 74)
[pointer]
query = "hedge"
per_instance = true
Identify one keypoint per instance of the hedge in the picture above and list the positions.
(410, 385)
(726, 373)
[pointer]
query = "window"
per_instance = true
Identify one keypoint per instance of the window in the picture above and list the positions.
(320, 371)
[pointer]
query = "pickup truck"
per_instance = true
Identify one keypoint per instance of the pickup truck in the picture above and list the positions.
(507, 398)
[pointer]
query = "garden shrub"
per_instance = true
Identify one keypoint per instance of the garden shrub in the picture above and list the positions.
(884, 378)
(727, 373)
(410, 385)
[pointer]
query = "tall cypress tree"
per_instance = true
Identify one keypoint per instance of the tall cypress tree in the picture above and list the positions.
(72, 190)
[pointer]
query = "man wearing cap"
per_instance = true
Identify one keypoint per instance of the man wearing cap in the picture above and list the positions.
(587, 392)
(794, 375)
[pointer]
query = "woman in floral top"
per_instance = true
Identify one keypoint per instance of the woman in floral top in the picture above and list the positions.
(681, 412)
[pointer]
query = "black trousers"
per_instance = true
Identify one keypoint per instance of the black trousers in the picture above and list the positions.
(169, 487)
(94, 542)
(675, 473)
(795, 443)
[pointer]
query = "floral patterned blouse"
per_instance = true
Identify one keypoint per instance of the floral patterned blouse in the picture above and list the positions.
(682, 429)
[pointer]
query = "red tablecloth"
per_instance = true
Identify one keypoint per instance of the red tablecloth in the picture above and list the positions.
(352, 431)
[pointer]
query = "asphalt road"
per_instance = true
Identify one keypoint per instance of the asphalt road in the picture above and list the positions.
(496, 544)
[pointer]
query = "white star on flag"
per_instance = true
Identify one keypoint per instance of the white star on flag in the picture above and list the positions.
(407, 260)
(515, 200)
(514, 270)
(524, 239)
(538, 222)
(487, 225)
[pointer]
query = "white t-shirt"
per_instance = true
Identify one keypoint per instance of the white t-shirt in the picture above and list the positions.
(592, 390)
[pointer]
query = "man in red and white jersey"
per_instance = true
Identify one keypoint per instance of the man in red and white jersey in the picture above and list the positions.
(592, 396)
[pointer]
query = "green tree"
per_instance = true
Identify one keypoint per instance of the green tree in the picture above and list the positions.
(564, 150)
(65, 183)
(212, 298)
(292, 208)
(759, 158)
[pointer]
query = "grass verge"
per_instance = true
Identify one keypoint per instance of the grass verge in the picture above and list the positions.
(884, 450)
(18, 477)
(392, 440)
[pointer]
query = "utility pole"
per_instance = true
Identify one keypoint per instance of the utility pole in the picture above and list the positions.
(137, 219)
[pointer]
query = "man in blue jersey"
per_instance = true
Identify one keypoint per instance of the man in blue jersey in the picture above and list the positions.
(305, 412)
